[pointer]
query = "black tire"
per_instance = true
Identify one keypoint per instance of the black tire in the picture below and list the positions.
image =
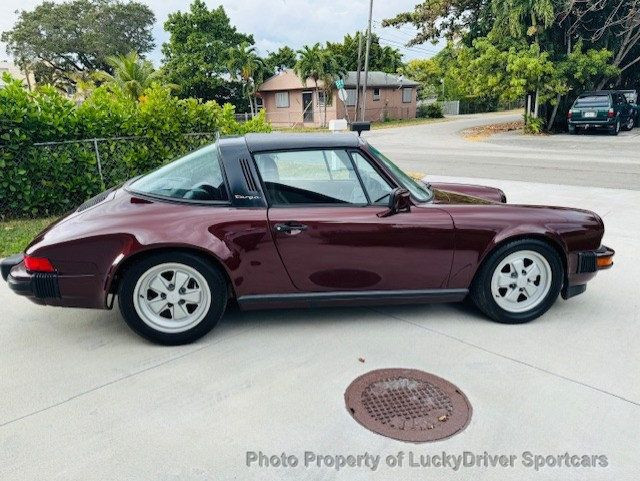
(572, 130)
(218, 300)
(481, 286)
(630, 123)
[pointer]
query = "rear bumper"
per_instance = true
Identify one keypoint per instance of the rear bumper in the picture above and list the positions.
(38, 286)
(593, 124)
(587, 265)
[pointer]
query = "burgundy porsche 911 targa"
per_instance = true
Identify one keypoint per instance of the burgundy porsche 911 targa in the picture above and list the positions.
(291, 220)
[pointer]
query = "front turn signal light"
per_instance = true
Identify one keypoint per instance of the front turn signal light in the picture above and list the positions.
(38, 264)
(604, 262)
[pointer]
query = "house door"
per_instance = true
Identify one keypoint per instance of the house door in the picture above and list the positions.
(307, 106)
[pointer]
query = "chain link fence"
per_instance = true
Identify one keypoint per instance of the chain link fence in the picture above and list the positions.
(52, 178)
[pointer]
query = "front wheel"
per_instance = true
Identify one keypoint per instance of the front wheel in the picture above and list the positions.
(172, 298)
(518, 282)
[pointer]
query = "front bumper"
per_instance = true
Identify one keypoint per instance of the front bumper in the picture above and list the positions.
(39, 286)
(587, 265)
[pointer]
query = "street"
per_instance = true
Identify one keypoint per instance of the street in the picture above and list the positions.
(593, 159)
(85, 398)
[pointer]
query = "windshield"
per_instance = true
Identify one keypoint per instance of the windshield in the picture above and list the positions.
(593, 101)
(196, 177)
(418, 190)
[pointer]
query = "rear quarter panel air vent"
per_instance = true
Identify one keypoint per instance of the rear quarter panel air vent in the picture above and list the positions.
(248, 176)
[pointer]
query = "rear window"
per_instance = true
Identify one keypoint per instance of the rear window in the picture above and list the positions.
(196, 176)
(593, 101)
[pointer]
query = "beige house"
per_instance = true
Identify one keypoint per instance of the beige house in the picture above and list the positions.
(12, 69)
(288, 101)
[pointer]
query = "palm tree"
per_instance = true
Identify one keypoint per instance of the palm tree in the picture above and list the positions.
(244, 62)
(131, 73)
(332, 69)
(310, 65)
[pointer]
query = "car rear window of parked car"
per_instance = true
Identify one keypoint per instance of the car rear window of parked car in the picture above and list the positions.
(593, 101)
(195, 177)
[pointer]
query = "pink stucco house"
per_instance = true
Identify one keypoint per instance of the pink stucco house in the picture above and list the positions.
(288, 101)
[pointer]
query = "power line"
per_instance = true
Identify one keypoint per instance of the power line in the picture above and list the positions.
(398, 45)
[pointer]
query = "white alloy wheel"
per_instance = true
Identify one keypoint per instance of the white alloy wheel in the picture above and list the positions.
(521, 281)
(172, 297)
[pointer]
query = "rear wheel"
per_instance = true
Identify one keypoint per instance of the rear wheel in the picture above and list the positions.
(518, 282)
(630, 123)
(172, 298)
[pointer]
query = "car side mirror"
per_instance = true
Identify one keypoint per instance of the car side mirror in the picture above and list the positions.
(399, 201)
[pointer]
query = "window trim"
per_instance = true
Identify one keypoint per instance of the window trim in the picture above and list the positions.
(355, 96)
(271, 205)
(175, 200)
(410, 89)
(373, 163)
(376, 98)
(288, 99)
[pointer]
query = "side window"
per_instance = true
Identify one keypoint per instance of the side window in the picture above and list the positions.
(310, 177)
(377, 187)
(196, 176)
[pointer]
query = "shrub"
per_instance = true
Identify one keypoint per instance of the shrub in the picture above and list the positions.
(433, 111)
(51, 179)
(534, 125)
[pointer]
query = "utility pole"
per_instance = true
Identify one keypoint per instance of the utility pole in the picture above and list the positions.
(366, 62)
(360, 34)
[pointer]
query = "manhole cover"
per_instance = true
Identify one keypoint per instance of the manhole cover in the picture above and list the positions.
(408, 405)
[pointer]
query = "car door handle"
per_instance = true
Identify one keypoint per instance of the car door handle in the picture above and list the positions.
(290, 227)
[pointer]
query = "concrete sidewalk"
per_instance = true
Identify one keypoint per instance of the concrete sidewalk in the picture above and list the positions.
(84, 398)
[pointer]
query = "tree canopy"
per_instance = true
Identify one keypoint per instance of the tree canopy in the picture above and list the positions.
(60, 40)
(196, 55)
(382, 58)
(552, 49)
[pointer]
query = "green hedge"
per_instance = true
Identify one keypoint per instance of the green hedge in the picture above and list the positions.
(45, 166)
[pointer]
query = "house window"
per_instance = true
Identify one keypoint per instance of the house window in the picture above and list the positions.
(259, 103)
(322, 97)
(282, 99)
(351, 98)
(376, 94)
(407, 95)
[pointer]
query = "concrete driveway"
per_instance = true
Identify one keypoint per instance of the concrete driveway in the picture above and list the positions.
(594, 159)
(83, 398)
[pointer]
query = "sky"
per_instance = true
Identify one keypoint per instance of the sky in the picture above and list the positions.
(275, 23)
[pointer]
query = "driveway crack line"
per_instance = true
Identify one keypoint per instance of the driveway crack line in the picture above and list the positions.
(512, 359)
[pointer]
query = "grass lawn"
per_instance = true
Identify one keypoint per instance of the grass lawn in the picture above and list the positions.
(16, 234)
(374, 125)
(405, 122)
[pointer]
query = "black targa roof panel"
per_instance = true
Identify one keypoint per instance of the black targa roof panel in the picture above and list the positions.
(265, 142)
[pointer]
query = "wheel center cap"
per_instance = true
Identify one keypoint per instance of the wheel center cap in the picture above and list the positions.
(173, 297)
(521, 281)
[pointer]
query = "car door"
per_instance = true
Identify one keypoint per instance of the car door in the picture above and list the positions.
(324, 218)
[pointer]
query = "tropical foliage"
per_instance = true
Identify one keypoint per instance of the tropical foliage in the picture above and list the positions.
(45, 180)
(546, 50)
(132, 75)
(196, 55)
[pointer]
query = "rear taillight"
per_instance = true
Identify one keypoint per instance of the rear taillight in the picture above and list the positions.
(38, 264)
(611, 113)
(569, 114)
